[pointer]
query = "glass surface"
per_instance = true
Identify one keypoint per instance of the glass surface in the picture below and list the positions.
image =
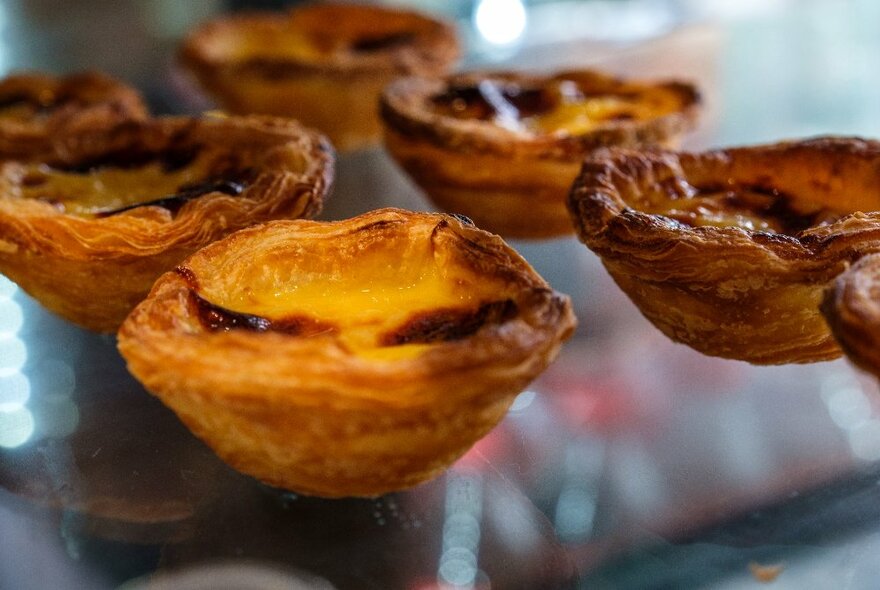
(632, 462)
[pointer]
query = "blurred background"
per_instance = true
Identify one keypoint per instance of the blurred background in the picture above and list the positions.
(632, 463)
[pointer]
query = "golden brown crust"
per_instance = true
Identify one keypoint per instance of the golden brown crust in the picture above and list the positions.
(343, 55)
(510, 179)
(93, 267)
(852, 308)
(312, 412)
(36, 108)
(733, 292)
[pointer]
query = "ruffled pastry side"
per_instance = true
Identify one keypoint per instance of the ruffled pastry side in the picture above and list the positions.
(731, 291)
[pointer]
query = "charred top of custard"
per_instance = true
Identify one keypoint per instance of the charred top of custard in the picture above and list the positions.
(553, 106)
(750, 207)
(134, 177)
(215, 318)
(446, 325)
(382, 290)
(20, 105)
(488, 99)
(422, 327)
(382, 42)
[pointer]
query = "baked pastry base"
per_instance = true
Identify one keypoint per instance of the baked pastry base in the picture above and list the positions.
(524, 202)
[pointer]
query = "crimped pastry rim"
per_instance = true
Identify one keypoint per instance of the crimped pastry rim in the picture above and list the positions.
(403, 110)
(604, 220)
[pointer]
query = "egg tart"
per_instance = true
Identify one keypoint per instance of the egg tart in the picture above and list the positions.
(503, 148)
(347, 358)
(324, 64)
(852, 308)
(36, 108)
(730, 250)
(88, 229)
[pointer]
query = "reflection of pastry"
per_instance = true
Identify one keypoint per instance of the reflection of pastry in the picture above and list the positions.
(88, 230)
(36, 108)
(852, 309)
(324, 64)
(504, 148)
(729, 251)
(128, 471)
(347, 358)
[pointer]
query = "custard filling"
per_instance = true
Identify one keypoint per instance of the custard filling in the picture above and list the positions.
(559, 108)
(750, 208)
(108, 187)
(277, 44)
(290, 44)
(382, 307)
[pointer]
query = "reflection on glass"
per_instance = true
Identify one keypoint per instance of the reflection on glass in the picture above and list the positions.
(500, 22)
(16, 427)
(864, 440)
(851, 409)
(59, 416)
(461, 529)
(16, 420)
(15, 389)
(576, 505)
(522, 401)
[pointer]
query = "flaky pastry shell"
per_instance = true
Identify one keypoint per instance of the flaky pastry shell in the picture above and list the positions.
(324, 64)
(88, 229)
(36, 108)
(729, 251)
(349, 358)
(503, 148)
(852, 308)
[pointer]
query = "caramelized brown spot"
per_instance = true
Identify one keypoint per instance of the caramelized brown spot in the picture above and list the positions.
(185, 194)
(34, 179)
(489, 99)
(133, 156)
(445, 325)
(14, 100)
(770, 204)
(216, 318)
(380, 43)
(32, 103)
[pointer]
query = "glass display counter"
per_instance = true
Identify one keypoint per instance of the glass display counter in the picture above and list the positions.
(633, 462)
